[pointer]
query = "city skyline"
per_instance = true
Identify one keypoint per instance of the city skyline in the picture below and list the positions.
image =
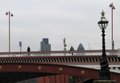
(74, 20)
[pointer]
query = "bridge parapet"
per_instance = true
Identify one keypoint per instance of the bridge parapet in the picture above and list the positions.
(59, 53)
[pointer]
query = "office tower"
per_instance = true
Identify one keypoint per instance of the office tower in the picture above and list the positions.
(80, 47)
(45, 46)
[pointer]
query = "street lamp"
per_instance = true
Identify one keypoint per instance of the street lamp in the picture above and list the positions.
(112, 8)
(20, 45)
(65, 45)
(105, 71)
(9, 15)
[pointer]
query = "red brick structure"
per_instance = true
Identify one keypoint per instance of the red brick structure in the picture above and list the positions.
(54, 79)
(49, 79)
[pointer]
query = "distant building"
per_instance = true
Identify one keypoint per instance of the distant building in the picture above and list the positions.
(81, 48)
(45, 46)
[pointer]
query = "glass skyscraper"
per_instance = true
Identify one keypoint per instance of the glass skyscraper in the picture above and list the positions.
(45, 46)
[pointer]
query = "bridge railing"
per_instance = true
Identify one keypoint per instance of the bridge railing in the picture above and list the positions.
(60, 53)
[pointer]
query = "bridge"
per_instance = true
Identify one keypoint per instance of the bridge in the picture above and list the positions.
(15, 67)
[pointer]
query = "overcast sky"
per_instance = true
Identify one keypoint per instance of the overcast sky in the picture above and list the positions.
(75, 20)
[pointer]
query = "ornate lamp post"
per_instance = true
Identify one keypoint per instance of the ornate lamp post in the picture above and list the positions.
(9, 15)
(105, 71)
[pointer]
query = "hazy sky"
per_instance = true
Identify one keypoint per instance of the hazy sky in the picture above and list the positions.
(75, 20)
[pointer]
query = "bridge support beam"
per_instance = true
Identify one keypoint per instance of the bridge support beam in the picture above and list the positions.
(104, 81)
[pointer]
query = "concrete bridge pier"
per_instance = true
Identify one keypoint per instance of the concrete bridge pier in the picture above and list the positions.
(104, 81)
